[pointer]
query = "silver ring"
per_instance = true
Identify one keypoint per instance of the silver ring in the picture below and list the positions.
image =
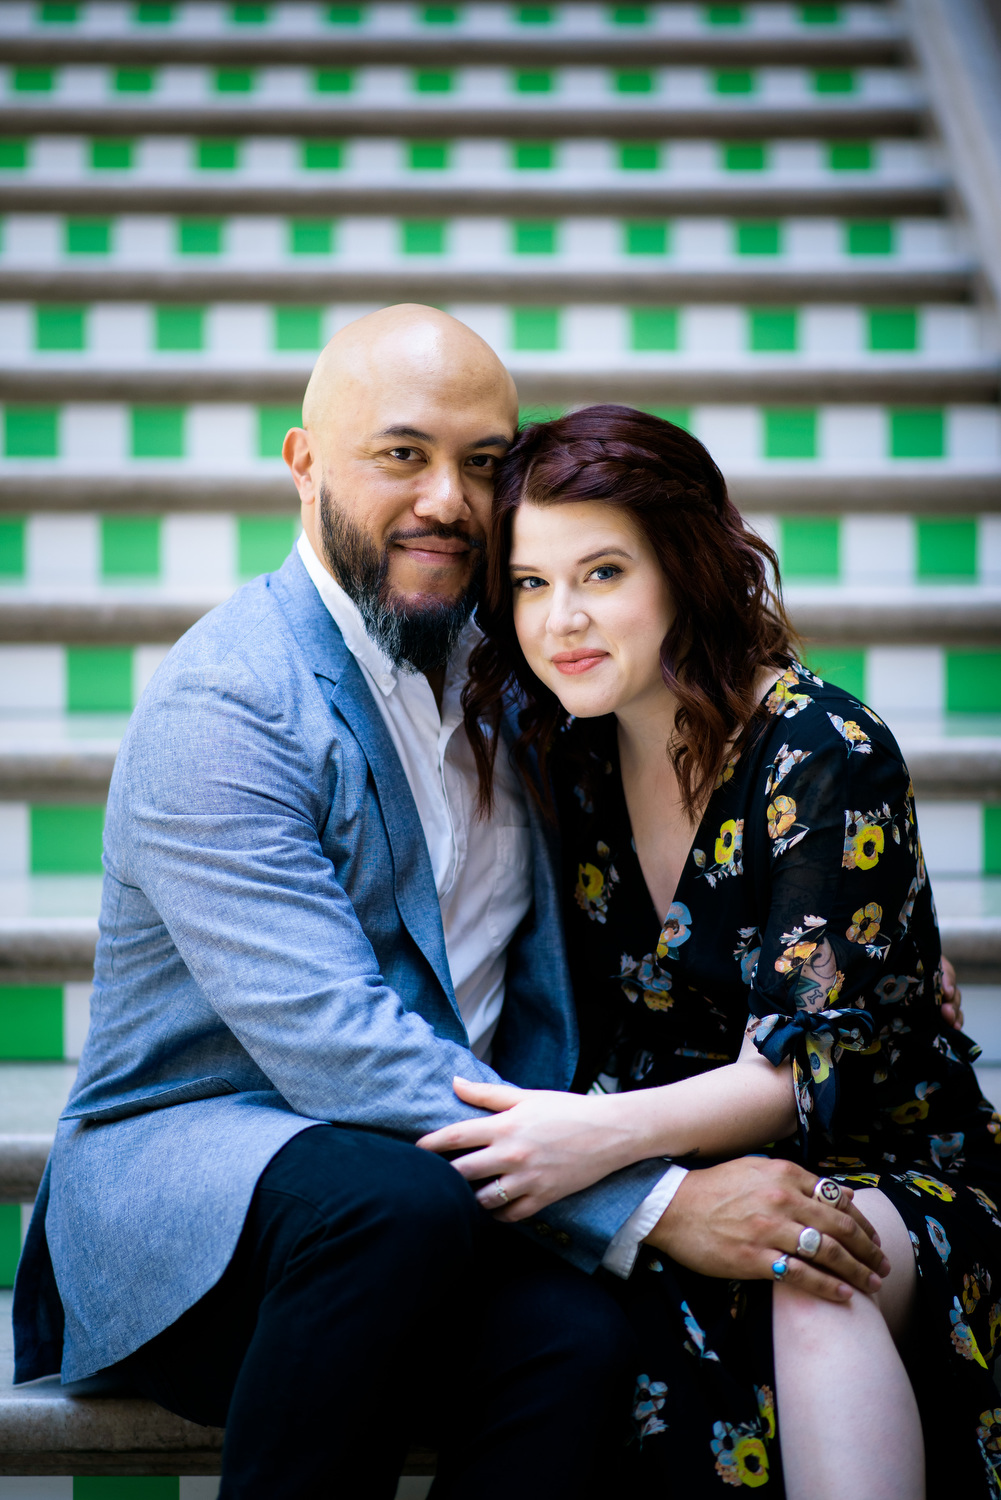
(826, 1191)
(500, 1191)
(809, 1242)
(780, 1267)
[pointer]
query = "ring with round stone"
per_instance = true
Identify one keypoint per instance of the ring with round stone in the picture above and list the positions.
(500, 1191)
(780, 1267)
(809, 1242)
(826, 1191)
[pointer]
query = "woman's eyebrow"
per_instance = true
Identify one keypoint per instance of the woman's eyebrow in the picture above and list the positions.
(604, 552)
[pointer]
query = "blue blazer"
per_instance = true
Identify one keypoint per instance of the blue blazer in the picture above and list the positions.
(270, 957)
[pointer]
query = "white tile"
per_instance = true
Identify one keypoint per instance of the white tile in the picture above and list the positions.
(584, 242)
(714, 333)
(95, 436)
(989, 549)
(14, 838)
(33, 240)
(952, 836)
(369, 241)
(594, 330)
(831, 332)
(166, 158)
(76, 1018)
(17, 332)
(807, 242)
(982, 1019)
(121, 331)
(765, 526)
(203, 1487)
(877, 548)
(56, 158)
(691, 158)
(62, 549)
(145, 240)
(411, 1487)
(973, 437)
(199, 551)
(222, 436)
(33, 677)
(946, 330)
(489, 321)
(36, 1489)
(731, 433)
(905, 680)
(145, 660)
(236, 331)
(702, 241)
(255, 241)
(852, 438)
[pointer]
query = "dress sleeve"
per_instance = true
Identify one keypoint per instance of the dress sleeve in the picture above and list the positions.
(846, 863)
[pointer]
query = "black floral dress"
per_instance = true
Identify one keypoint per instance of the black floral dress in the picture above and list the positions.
(810, 834)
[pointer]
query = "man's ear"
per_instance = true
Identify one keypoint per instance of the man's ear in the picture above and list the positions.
(297, 451)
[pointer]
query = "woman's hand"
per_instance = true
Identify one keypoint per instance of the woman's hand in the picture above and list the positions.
(735, 1219)
(540, 1145)
(952, 1005)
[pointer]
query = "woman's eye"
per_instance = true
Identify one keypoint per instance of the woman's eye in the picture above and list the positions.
(529, 585)
(606, 571)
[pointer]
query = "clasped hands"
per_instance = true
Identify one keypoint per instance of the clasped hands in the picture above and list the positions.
(730, 1220)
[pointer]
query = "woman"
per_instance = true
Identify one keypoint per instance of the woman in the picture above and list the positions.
(756, 961)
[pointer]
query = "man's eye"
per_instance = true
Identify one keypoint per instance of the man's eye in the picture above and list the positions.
(402, 453)
(483, 460)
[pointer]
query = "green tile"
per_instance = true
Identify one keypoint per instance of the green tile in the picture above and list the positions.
(678, 416)
(758, 237)
(893, 328)
(234, 81)
(629, 15)
(973, 682)
(819, 15)
(533, 237)
(130, 547)
(724, 15)
(440, 15)
(216, 156)
(527, 414)
(992, 839)
(733, 81)
(322, 156)
(633, 81)
(153, 15)
(98, 679)
(849, 156)
(264, 542)
(298, 328)
(646, 237)
(13, 155)
(947, 547)
(119, 1488)
(10, 1241)
(429, 156)
(111, 156)
(790, 432)
(88, 236)
(533, 15)
(158, 432)
(310, 237)
(869, 237)
(810, 546)
(345, 15)
(744, 156)
(422, 237)
(11, 547)
(60, 327)
(66, 840)
(654, 328)
(533, 81)
(133, 81)
(272, 424)
(199, 236)
(533, 156)
(535, 328)
(917, 432)
(33, 80)
(639, 156)
(844, 668)
(833, 81)
(433, 81)
(179, 327)
(60, 15)
(31, 431)
(772, 330)
(249, 15)
(333, 80)
(31, 1022)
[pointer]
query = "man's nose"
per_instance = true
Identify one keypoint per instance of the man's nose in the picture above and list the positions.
(442, 496)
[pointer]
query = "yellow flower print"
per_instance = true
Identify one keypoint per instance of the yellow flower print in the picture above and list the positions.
(731, 836)
(727, 772)
(910, 1113)
(781, 699)
(796, 953)
(590, 884)
(932, 1186)
(818, 1050)
(962, 1335)
(862, 849)
(971, 1293)
(865, 923)
(989, 1431)
(675, 931)
(751, 1461)
(766, 1408)
(781, 816)
(853, 734)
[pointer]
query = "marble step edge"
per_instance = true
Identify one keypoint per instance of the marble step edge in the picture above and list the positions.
(889, 198)
(893, 283)
(962, 767)
(158, 494)
(843, 120)
(792, 381)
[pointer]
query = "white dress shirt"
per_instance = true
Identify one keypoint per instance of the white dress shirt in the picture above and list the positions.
(482, 866)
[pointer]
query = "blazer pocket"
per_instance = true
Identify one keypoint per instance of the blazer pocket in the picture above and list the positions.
(181, 1093)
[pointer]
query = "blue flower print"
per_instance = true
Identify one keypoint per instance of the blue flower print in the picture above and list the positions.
(649, 1397)
(938, 1237)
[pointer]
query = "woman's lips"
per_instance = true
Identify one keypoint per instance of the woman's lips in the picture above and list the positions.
(572, 663)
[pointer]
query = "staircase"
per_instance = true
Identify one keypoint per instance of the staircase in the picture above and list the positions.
(749, 218)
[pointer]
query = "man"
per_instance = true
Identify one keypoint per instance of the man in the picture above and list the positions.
(304, 925)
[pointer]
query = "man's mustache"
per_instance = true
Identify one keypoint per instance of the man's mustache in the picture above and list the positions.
(442, 532)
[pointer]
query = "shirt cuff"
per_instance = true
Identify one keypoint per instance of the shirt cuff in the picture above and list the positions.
(623, 1248)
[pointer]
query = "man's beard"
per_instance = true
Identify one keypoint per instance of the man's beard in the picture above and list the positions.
(417, 636)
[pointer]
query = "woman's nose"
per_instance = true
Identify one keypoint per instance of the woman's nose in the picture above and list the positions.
(566, 617)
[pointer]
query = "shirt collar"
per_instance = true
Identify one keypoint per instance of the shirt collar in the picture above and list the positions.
(347, 617)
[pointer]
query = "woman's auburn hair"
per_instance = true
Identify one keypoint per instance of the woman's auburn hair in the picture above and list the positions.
(729, 620)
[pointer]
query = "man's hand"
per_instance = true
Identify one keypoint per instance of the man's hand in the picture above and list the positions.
(735, 1219)
(952, 1006)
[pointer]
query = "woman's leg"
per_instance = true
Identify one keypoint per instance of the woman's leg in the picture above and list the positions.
(848, 1420)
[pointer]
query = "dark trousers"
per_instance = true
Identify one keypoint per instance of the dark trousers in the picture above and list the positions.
(370, 1301)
